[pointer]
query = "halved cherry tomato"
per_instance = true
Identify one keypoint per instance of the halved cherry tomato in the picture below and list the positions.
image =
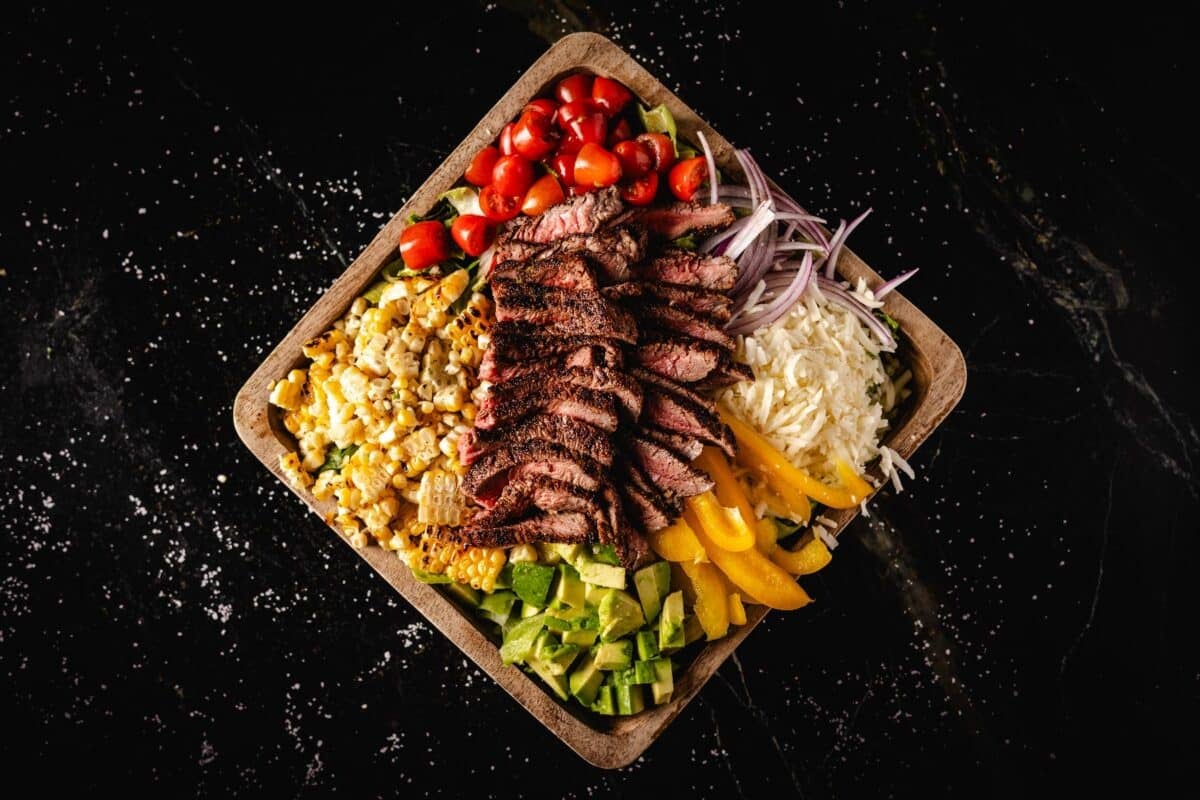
(480, 171)
(533, 136)
(563, 165)
(574, 87)
(661, 146)
(636, 158)
(642, 191)
(545, 192)
(619, 133)
(610, 95)
(589, 128)
(542, 105)
(506, 146)
(496, 206)
(472, 233)
(574, 110)
(596, 167)
(513, 175)
(424, 244)
(687, 176)
(570, 144)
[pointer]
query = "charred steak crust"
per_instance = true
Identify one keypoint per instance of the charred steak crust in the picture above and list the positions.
(571, 433)
(677, 408)
(563, 311)
(566, 271)
(678, 320)
(689, 268)
(570, 528)
(667, 469)
(487, 477)
(502, 406)
(679, 219)
(687, 448)
(621, 385)
(691, 299)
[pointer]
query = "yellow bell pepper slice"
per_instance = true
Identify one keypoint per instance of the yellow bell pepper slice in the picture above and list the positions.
(712, 604)
(809, 557)
(853, 481)
(756, 576)
(757, 453)
(724, 526)
(737, 611)
(677, 542)
(729, 492)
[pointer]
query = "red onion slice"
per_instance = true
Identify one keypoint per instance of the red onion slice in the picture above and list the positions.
(836, 293)
(712, 167)
(780, 305)
(835, 249)
(888, 287)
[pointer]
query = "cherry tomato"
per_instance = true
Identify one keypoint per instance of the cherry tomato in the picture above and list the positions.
(570, 144)
(545, 192)
(686, 177)
(563, 165)
(472, 233)
(480, 171)
(533, 136)
(620, 132)
(542, 105)
(506, 145)
(512, 175)
(662, 148)
(574, 87)
(496, 206)
(636, 158)
(610, 95)
(574, 110)
(424, 244)
(588, 128)
(596, 167)
(642, 191)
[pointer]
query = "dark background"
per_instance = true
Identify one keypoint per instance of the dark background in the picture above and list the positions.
(177, 191)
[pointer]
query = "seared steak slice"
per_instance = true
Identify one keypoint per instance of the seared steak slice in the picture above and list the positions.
(513, 250)
(728, 372)
(677, 408)
(641, 505)
(620, 385)
(586, 213)
(680, 219)
(666, 469)
(564, 272)
(631, 547)
(680, 358)
(612, 250)
(515, 347)
(537, 492)
(692, 299)
(503, 406)
(587, 356)
(576, 436)
(688, 268)
(687, 447)
(492, 471)
(680, 321)
(569, 528)
(563, 311)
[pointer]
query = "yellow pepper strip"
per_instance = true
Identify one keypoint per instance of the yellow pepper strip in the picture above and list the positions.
(809, 557)
(756, 576)
(729, 492)
(757, 453)
(712, 604)
(677, 542)
(737, 611)
(724, 526)
(853, 481)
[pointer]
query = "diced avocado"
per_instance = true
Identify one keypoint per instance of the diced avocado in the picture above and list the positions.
(585, 680)
(647, 645)
(602, 574)
(568, 592)
(552, 553)
(664, 684)
(583, 637)
(670, 623)
(463, 594)
(629, 699)
(605, 554)
(558, 683)
(640, 673)
(619, 614)
(604, 703)
(547, 554)
(653, 583)
(519, 639)
(572, 619)
(692, 629)
(528, 611)
(593, 594)
(614, 655)
(532, 582)
(431, 577)
(497, 606)
(504, 579)
(560, 658)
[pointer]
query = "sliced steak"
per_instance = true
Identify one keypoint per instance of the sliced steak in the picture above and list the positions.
(680, 358)
(689, 268)
(680, 321)
(573, 434)
(502, 406)
(569, 528)
(631, 547)
(536, 492)
(513, 250)
(622, 386)
(727, 373)
(687, 447)
(492, 471)
(515, 347)
(692, 299)
(667, 469)
(563, 272)
(563, 311)
(586, 213)
(680, 219)
(646, 513)
(613, 250)
(678, 408)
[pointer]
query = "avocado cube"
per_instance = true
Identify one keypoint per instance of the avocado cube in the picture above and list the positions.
(568, 592)
(653, 583)
(593, 594)
(629, 699)
(553, 553)
(670, 623)
(557, 683)
(664, 684)
(497, 606)
(528, 611)
(584, 637)
(532, 582)
(570, 619)
(504, 579)
(520, 638)
(463, 594)
(585, 680)
(692, 629)
(647, 645)
(605, 554)
(604, 702)
(614, 655)
(643, 672)
(619, 615)
(602, 574)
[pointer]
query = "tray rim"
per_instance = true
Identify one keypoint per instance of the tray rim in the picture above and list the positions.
(603, 742)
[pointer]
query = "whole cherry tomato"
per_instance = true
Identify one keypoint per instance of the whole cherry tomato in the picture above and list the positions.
(542, 105)
(545, 192)
(563, 165)
(506, 145)
(610, 95)
(574, 87)
(641, 192)
(424, 244)
(636, 158)
(588, 128)
(496, 206)
(512, 175)
(533, 136)
(662, 148)
(472, 233)
(480, 171)
(687, 176)
(619, 133)
(596, 167)
(574, 110)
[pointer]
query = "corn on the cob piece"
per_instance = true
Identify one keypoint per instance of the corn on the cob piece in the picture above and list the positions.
(439, 501)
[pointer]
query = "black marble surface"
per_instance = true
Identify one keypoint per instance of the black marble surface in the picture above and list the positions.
(179, 190)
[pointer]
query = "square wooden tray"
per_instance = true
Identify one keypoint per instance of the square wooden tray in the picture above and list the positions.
(939, 378)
